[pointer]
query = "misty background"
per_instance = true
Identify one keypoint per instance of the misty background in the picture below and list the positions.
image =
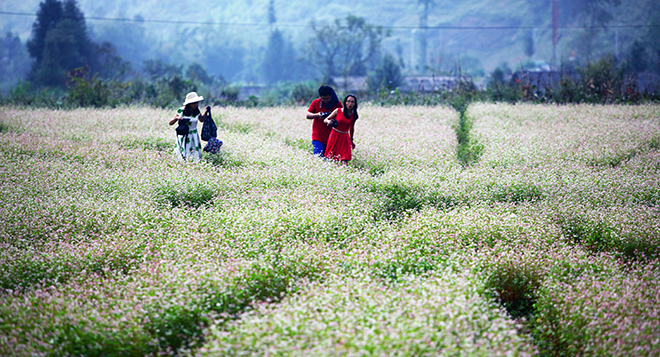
(262, 42)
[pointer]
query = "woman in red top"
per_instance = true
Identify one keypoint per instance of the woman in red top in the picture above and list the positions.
(318, 111)
(340, 143)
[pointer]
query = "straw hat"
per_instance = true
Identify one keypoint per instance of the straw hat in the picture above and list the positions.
(192, 97)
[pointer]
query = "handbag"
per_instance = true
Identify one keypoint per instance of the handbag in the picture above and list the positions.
(209, 129)
(182, 128)
(213, 145)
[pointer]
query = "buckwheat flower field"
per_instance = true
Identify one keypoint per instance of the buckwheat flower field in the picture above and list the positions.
(544, 243)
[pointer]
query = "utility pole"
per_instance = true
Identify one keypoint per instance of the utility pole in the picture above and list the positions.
(616, 43)
(413, 32)
(555, 32)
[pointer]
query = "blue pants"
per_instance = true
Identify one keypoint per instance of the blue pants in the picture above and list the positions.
(319, 148)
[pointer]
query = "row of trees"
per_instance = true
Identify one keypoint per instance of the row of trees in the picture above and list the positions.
(60, 49)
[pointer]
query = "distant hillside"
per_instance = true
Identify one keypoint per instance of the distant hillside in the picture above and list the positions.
(238, 30)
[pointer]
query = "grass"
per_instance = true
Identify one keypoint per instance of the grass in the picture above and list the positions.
(112, 247)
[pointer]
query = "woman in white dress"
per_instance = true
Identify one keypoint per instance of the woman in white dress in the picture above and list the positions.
(188, 145)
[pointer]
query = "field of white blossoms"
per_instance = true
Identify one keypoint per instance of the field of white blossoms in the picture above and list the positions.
(546, 243)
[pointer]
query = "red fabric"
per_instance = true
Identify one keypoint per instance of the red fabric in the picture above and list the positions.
(339, 143)
(320, 131)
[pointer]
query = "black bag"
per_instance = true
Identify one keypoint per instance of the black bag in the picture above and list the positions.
(182, 129)
(209, 129)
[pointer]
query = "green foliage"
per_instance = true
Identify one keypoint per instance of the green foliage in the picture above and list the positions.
(592, 15)
(615, 159)
(469, 150)
(517, 193)
(346, 46)
(25, 272)
(600, 82)
(79, 340)
(170, 90)
(649, 38)
(288, 93)
(190, 194)
(223, 159)
(14, 61)
(300, 144)
(374, 168)
(178, 327)
(603, 81)
(26, 94)
(230, 92)
(156, 69)
(60, 43)
(197, 73)
(499, 90)
(388, 250)
(599, 235)
(396, 269)
(242, 128)
(386, 76)
(515, 287)
(279, 60)
(88, 92)
(638, 57)
(148, 143)
(399, 199)
(304, 92)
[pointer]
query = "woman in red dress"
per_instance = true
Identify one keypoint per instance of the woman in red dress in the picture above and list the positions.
(340, 143)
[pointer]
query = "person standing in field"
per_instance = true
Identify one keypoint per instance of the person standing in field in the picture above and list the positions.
(318, 111)
(188, 145)
(340, 143)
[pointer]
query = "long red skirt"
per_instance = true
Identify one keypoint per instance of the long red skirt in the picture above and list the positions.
(339, 146)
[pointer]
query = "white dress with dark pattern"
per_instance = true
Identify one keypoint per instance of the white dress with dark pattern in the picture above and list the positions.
(189, 147)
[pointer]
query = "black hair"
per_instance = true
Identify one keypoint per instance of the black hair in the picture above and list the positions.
(188, 111)
(355, 113)
(325, 90)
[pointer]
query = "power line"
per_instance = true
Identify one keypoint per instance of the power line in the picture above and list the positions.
(447, 27)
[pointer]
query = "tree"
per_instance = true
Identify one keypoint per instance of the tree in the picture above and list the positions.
(14, 60)
(49, 13)
(107, 63)
(279, 56)
(638, 57)
(129, 38)
(60, 43)
(158, 69)
(386, 75)
(272, 19)
(593, 16)
(197, 73)
(345, 47)
(651, 36)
